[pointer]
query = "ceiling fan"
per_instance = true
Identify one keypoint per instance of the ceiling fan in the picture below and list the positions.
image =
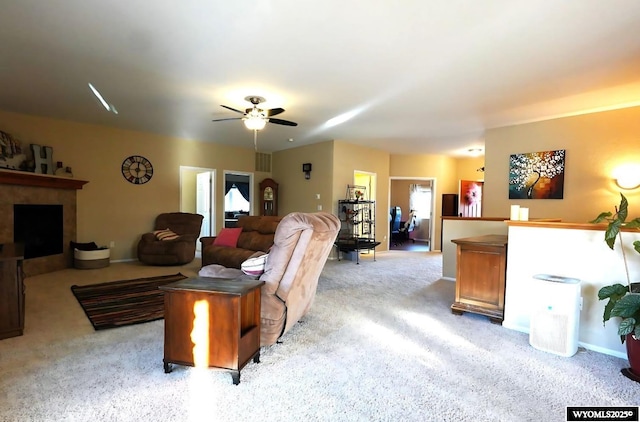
(256, 118)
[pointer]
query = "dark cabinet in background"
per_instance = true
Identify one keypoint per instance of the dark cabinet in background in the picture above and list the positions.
(449, 204)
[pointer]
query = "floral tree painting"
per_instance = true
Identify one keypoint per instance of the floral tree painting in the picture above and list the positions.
(537, 175)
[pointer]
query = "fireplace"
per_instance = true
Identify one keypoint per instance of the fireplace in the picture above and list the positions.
(24, 188)
(39, 228)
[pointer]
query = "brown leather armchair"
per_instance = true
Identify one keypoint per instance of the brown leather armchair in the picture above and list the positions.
(178, 251)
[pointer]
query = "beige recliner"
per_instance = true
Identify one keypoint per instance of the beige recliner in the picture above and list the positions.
(302, 244)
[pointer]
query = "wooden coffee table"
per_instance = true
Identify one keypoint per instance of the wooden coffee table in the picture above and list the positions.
(213, 323)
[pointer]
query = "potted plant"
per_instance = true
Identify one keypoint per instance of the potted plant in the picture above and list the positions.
(624, 301)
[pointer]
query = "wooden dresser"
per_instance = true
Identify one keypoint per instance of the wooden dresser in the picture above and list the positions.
(11, 290)
(481, 275)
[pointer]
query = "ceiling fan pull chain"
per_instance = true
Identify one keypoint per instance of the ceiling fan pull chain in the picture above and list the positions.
(255, 139)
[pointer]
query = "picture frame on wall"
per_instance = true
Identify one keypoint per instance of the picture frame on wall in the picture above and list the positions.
(470, 204)
(537, 175)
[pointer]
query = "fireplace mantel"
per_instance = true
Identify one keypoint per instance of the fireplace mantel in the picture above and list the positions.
(10, 177)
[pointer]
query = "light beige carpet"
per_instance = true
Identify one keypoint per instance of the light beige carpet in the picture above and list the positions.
(380, 344)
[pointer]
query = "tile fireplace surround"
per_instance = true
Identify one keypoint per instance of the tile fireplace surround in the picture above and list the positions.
(29, 188)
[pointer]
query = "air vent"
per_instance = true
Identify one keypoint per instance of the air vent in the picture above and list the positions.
(263, 162)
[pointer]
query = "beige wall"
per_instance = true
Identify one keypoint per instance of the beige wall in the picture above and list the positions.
(333, 166)
(468, 168)
(595, 144)
(110, 208)
(296, 193)
(400, 194)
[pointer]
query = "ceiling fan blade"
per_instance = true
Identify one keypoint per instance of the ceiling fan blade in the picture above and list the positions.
(282, 122)
(274, 111)
(229, 118)
(232, 109)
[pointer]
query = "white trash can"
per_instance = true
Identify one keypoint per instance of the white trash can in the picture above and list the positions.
(555, 315)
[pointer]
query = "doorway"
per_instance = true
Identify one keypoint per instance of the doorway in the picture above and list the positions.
(368, 180)
(415, 194)
(197, 195)
(238, 196)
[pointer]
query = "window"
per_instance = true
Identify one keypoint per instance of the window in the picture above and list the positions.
(234, 201)
(420, 201)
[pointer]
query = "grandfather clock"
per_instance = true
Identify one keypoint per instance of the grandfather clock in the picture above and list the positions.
(268, 197)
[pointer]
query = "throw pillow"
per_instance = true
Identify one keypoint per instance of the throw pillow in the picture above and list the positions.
(254, 266)
(166, 234)
(228, 237)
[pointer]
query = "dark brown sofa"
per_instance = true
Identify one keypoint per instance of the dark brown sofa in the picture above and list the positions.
(179, 251)
(257, 235)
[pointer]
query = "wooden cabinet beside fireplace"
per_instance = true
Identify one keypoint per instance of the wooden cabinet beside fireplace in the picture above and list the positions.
(11, 290)
(481, 276)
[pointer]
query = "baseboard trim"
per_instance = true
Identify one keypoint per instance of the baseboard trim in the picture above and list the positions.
(587, 346)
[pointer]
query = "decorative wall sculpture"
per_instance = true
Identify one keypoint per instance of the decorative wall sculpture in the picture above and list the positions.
(11, 154)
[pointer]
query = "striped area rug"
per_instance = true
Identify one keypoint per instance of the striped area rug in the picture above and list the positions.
(126, 302)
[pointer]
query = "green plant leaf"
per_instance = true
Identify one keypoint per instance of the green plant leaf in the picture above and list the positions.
(606, 315)
(633, 224)
(623, 209)
(611, 233)
(615, 290)
(627, 306)
(627, 326)
(602, 217)
(636, 246)
(613, 293)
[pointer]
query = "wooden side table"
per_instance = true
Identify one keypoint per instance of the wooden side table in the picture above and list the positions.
(213, 323)
(481, 276)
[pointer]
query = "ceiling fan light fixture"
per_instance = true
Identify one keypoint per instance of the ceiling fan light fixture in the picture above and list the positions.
(255, 122)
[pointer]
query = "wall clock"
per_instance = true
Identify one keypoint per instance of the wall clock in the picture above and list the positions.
(137, 169)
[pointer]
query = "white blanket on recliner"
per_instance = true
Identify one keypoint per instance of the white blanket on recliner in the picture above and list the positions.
(218, 271)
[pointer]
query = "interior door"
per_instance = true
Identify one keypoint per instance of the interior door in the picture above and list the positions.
(204, 203)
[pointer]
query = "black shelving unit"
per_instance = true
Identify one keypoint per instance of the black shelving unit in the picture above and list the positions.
(357, 216)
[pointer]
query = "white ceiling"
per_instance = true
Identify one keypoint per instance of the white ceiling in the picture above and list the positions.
(418, 76)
